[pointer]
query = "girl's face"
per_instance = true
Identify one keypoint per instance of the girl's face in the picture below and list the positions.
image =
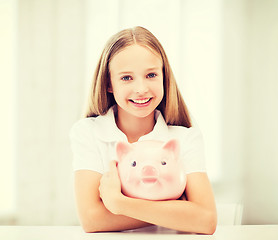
(136, 80)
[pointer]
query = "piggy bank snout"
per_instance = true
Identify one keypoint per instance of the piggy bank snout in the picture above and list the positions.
(149, 171)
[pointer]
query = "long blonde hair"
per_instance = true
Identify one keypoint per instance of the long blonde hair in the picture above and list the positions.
(172, 106)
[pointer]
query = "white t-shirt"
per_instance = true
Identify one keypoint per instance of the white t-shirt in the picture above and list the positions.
(93, 142)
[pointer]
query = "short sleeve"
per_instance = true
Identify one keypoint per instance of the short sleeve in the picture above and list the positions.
(84, 146)
(192, 151)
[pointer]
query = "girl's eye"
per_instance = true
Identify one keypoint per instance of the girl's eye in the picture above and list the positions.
(133, 164)
(163, 162)
(126, 78)
(151, 75)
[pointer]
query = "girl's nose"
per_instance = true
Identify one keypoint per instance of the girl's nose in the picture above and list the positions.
(141, 86)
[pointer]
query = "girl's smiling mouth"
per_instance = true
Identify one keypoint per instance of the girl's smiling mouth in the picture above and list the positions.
(141, 101)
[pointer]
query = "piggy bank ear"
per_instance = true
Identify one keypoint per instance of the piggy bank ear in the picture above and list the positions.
(122, 149)
(172, 146)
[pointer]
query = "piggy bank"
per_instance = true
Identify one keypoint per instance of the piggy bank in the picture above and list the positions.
(151, 170)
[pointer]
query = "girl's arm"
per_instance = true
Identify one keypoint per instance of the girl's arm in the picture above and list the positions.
(94, 216)
(197, 214)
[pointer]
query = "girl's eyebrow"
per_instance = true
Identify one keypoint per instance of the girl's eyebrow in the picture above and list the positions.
(124, 73)
(147, 70)
(127, 72)
(153, 68)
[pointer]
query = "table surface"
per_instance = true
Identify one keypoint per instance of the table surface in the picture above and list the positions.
(239, 232)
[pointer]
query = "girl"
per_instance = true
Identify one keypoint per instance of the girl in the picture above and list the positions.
(134, 97)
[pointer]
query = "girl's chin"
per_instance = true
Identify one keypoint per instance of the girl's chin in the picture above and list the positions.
(141, 114)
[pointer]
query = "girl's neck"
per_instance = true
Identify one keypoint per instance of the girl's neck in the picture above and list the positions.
(134, 127)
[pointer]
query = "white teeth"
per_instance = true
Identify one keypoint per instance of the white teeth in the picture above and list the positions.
(141, 101)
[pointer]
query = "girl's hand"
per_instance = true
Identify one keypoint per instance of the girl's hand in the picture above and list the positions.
(110, 189)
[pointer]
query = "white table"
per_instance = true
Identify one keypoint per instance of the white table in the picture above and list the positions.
(247, 232)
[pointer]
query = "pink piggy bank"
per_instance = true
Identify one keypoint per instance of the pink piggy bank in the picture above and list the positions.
(151, 170)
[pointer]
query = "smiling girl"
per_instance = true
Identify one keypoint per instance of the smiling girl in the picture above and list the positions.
(134, 97)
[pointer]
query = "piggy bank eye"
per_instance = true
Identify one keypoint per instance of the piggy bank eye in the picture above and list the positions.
(163, 162)
(133, 164)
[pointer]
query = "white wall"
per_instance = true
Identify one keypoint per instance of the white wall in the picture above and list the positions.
(49, 95)
(261, 115)
(232, 99)
(7, 106)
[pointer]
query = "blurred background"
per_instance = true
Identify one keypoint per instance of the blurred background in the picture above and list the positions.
(224, 55)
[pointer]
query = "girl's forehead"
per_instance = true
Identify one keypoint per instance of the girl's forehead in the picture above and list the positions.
(134, 55)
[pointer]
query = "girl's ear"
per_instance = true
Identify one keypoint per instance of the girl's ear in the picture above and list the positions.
(122, 149)
(172, 146)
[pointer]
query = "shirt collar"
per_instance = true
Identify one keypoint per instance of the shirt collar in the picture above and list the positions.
(107, 130)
